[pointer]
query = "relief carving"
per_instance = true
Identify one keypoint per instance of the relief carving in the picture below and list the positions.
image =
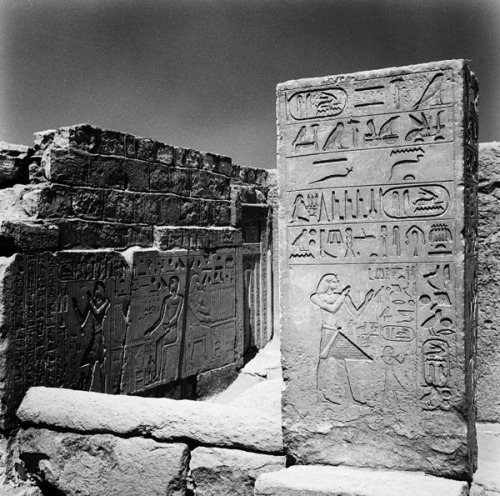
(327, 102)
(92, 373)
(333, 380)
(367, 331)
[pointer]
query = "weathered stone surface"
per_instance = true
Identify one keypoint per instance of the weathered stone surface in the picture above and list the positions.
(259, 383)
(162, 419)
(196, 238)
(255, 223)
(212, 382)
(7, 401)
(14, 163)
(486, 481)
(346, 481)
(488, 344)
(264, 396)
(80, 320)
(76, 233)
(378, 232)
(28, 236)
(104, 464)
(184, 317)
(119, 323)
(229, 472)
(8, 490)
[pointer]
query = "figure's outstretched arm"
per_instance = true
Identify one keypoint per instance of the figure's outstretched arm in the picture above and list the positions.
(359, 311)
(330, 307)
(159, 320)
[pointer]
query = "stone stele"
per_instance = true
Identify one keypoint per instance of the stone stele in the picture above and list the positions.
(378, 229)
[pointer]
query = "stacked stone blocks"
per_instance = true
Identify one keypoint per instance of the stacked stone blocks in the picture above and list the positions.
(123, 265)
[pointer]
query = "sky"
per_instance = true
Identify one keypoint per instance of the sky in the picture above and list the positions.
(203, 73)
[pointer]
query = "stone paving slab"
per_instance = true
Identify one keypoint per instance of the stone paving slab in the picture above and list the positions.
(486, 480)
(315, 480)
(229, 472)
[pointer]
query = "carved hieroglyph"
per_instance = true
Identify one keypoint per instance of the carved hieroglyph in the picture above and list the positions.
(378, 177)
(98, 321)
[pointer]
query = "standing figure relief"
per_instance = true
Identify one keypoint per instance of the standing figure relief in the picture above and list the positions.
(333, 381)
(92, 372)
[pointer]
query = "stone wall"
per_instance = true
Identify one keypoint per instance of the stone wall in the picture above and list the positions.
(488, 352)
(81, 443)
(125, 265)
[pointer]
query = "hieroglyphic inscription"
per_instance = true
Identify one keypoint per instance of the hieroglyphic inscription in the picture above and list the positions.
(210, 314)
(373, 169)
(93, 299)
(69, 320)
(158, 293)
(95, 321)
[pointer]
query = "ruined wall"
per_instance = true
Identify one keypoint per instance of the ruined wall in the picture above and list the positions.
(488, 340)
(123, 267)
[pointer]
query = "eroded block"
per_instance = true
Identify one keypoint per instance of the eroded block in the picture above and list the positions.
(183, 316)
(378, 228)
(211, 314)
(488, 344)
(229, 472)
(65, 319)
(76, 464)
(156, 316)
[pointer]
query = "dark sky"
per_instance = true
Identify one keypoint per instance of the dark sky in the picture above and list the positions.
(203, 73)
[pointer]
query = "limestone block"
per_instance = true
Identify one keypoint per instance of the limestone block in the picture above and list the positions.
(347, 481)
(224, 165)
(107, 172)
(165, 153)
(119, 206)
(138, 175)
(229, 472)
(8, 490)
(84, 465)
(179, 327)
(28, 236)
(14, 163)
(486, 481)
(220, 213)
(209, 161)
(8, 305)
(162, 419)
(65, 166)
(488, 344)
(170, 179)
(76, 233)
(186, 157)
(209, 185)
(265, 396)
(196, 238)
(378, 263)
(20, 202)
(213, 382)
(145, 149)
(86, 204)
